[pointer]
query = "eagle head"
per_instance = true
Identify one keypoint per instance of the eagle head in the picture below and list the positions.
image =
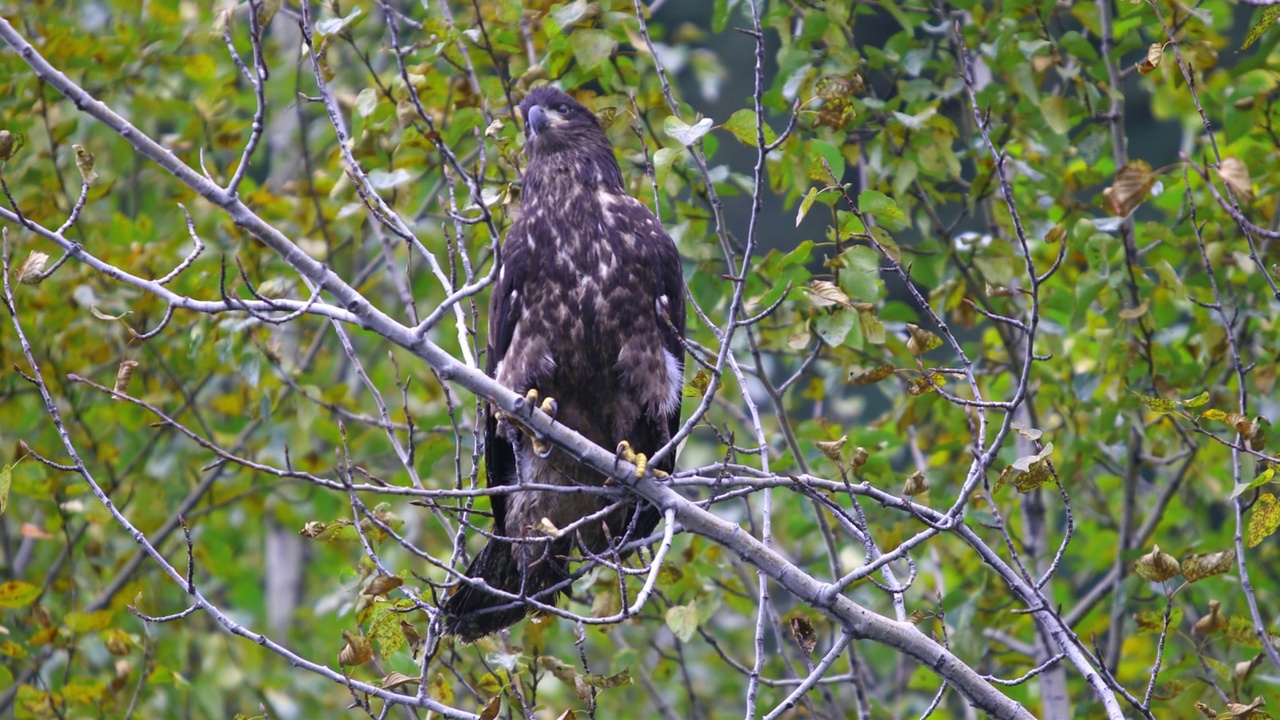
(554, 122)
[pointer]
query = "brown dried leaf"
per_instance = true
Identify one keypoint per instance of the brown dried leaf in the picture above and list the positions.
(1130, 187)
(915, 484)
(383, 584)
(123, 375)
(1235, 174)
(28, 273)
(872, 376)
(357, 651)
(1213, 622)
(825, 294)
(921, 341)
(313, 529)
(804, 634)
(491, 708)
(606, 682)
(1240, 711)
(860, 457)
(1156, 566)
(1155, 53)
(1257, 436)
(1244, 669)
(411, 637)
(84, 163)
(832, 448)
(1029, 433)
(1133, 313)
(395, 680)
(1199, 566)
(9, 144)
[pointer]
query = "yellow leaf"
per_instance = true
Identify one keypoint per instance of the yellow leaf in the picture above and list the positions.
(1263, 520)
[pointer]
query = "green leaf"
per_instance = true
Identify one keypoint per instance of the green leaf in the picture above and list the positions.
(742, 125)
(592, 47)
(383, 180)
(860, 276)
(825, 163)
(1263, 478)
(384, 628)
(366, 101)
(568, 13)
(1054, 109)
(805, 204)
(883, 208)
(799, 256)
(6, 479)
(331, 26)
(200, 68)
(662, 161)
(720, 14)
(1152, 621)
(683, 620)
(872, 327)
(1197, 401)
(834, 327)
(685, 133)
(887, 244)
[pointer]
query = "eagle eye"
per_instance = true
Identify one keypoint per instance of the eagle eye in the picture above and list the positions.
(562, 108)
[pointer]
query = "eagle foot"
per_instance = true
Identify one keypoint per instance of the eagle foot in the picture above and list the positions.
(640, 460)
(548, 406)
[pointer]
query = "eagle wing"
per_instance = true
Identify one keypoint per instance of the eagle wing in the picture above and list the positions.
(664, 261)
(504, 314)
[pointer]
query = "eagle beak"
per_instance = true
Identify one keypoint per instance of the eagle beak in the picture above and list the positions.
(540, 118)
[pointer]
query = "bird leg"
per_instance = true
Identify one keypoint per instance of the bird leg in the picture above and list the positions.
(640, 460)
(548, 406)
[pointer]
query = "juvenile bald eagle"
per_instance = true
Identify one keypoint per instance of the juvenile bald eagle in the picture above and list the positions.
(588, 309)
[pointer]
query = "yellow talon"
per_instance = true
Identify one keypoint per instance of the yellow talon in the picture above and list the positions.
(549, 406)
(640, 460)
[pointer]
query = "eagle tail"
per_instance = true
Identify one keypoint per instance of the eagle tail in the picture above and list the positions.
(472, 612)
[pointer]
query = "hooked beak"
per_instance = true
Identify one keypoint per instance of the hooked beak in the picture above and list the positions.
(540, 118)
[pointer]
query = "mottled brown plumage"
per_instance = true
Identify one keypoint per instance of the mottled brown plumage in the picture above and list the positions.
(588, 309)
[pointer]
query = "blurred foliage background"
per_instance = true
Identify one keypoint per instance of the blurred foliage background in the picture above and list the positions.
(1142, 418)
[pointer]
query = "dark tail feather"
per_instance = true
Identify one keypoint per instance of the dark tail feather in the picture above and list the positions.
(473, 613)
